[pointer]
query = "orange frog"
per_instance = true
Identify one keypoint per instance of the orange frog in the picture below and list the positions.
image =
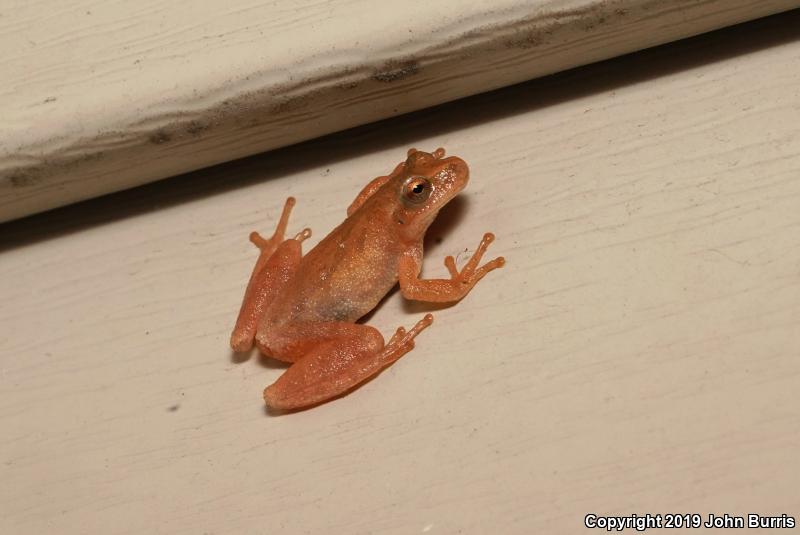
(302, 309)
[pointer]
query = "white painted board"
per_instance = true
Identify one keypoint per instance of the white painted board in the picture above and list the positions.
(638, 353)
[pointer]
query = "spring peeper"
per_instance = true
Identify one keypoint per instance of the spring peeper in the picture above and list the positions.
(302, 309)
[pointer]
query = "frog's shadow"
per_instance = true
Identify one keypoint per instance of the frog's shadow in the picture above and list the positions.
(264, 360)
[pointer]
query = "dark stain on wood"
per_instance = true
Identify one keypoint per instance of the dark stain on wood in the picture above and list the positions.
(393, 71)
(159, 137)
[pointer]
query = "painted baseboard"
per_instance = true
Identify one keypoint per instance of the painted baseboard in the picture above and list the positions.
(105, 97)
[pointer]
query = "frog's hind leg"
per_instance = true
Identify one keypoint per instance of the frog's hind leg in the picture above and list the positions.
(349, 355)
(276, 263)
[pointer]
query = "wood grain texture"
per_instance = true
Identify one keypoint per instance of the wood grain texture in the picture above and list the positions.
(639, 352)
(100, 96)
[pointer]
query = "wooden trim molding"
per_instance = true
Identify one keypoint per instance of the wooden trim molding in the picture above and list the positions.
(101, 97)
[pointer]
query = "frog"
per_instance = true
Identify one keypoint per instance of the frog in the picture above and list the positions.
(304, 309)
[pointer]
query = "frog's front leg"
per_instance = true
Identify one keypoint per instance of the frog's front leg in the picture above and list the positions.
(330, 358)
(445, 290)
(370, 189)
(276, 263)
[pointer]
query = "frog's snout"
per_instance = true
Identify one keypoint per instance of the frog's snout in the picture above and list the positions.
(459, 169)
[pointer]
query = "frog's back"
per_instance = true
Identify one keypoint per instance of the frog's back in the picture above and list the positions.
(344, 276)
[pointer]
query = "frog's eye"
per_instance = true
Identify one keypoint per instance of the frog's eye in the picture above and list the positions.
(417, 189)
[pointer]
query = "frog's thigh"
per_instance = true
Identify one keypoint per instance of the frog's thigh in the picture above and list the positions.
(264, 285)
(328, 361)
(290, 342)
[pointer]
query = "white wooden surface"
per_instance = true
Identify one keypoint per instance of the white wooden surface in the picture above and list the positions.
(99, 96)
(639, 352)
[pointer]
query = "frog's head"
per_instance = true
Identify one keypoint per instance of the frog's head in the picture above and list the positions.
(424, 183)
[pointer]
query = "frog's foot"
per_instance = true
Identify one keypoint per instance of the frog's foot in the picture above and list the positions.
(303, 235)
(268, 246)
(471, 273)
(403, 341)
(339, 364)
(446, 290)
